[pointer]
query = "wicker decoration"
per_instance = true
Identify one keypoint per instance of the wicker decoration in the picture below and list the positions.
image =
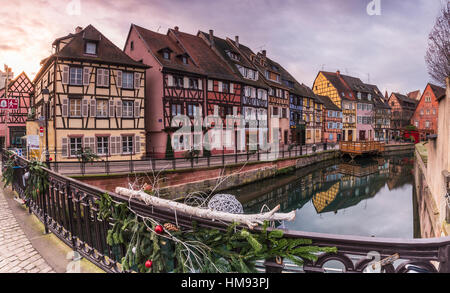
(225, 203)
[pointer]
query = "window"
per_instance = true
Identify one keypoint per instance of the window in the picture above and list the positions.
(102, 108)
(75, 146)
(192, 109)
(416, 124)
(75, 107)
(193, 83)
(185, 59)
(178, 81)
(132, 45)
(283, 113)
(428, 111)
(225, 87)
(127, 80)
(308, 134)
(166, 55)
(434, 111)
(330, 137)
(76, 76)
(421, 112)
(427, 124)
(102, 145)
(91, 48)
(127, 109)
(127, 144)
(275, 111)
(176, 109)
(102, 77)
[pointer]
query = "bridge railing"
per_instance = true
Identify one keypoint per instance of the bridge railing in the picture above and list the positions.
(69, 210)
(360, 147)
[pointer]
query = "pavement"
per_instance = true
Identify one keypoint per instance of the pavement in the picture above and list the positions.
(25, 248)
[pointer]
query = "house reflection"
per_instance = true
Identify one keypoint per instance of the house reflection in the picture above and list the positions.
(331, 188)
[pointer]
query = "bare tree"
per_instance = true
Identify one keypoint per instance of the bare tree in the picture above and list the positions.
(438, 53)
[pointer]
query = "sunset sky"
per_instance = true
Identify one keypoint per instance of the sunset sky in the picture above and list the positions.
(303, 35)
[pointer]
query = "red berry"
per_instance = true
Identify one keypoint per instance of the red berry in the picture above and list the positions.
(159, 229)
(148, 264)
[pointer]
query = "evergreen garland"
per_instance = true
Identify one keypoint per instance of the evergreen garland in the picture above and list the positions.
(198, 249)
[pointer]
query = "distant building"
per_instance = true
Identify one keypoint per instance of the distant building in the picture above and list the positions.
(415, 95)
(13, 121)
(402, 109)
(382, 115)
(332, 121)
(425, 116)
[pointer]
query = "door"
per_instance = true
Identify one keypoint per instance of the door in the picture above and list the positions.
(362, 135)
(350, 135)
(2, 142)
(286, 137)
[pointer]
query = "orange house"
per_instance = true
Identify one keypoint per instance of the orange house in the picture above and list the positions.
(426, 115)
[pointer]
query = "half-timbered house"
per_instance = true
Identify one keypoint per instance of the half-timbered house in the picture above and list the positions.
(332, 120)
(176, 87)
(93, 96)
(254, 94)
(382, 115)
(14, 109)
(402, 109)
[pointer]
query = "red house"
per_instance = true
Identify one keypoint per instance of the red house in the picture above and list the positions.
(425, 116)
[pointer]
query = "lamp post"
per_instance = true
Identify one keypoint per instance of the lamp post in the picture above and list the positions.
(46, 97)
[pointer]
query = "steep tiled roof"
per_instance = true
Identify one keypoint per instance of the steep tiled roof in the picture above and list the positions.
(405, 101)
(339, 84)
(437, 90)
(157, 42)
(328, 104)
(414, 95)
(204, 57)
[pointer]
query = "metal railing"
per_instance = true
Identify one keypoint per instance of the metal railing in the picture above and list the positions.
(69, 210)
(132, 165)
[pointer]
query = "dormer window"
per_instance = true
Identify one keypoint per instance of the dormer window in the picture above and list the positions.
(185, 59)
(166, 55)
(91, 48)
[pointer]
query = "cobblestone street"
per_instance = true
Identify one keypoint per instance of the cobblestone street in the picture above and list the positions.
(17, 255)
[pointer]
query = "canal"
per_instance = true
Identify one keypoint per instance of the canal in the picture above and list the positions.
(368, 197)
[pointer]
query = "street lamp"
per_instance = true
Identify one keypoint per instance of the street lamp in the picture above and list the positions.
(46, 96)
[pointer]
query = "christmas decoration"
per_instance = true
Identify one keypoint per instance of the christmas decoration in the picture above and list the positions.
(159, 229)
(148, 264)
(171, 227)
(197, 249)
(225, 203)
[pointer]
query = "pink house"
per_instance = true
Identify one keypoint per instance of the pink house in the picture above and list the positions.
(14, 107)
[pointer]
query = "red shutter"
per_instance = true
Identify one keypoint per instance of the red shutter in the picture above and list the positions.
(65, 74)
(64, 146)
(65, 108)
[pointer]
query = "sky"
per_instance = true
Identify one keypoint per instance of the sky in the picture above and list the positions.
(304, 36)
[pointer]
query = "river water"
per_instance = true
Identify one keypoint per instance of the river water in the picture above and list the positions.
(368, 197)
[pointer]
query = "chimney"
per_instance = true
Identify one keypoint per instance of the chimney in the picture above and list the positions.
(211, 37)
(237, 41)
(78, 29)
(264, 53)
(176, 28)
(338, 73)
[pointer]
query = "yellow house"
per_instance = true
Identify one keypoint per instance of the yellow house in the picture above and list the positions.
(332, 85)
(94, 97)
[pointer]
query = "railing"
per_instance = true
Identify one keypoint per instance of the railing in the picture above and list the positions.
(360, 147)
(105, 166)
(69, 210)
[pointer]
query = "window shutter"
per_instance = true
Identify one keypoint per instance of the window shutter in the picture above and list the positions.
(93, 108)
(65, 108)
(137, 144)
(118, 145)
(137, 109)
(220, 87)
(112, 146)
(85, 108)
(235, 110)
(200, 84)
(111, 108)
(119, 79)
(65, 74)
(86, 143)
(169, 80)
(210, 85)
(186, 82)
(137, 80)
(64, 146)
(216, 110)
(119, 109)
(100, 77)
(232, 88)
(106, 77)
(86, 75)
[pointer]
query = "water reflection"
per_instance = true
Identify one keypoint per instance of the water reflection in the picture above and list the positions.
(369, 197)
